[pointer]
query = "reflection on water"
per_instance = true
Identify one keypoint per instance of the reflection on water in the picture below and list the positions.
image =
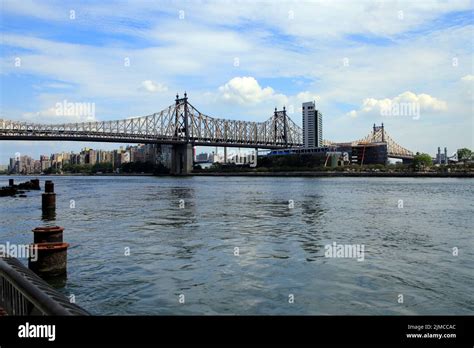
(182, 234)
(58, 281)
(48, 215)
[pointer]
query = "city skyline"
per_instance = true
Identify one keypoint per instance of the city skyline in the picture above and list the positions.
(26, 164)
(134, 62)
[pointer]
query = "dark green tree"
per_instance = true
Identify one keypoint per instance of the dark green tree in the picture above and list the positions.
(421, 161)
(464, 154)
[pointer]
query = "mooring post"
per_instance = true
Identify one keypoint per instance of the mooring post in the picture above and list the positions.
(48, 259)
(48, 197)
(48, 234)
(48, 253)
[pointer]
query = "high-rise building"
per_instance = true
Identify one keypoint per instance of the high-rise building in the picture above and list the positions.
(202, 157)
(91, 157)
(14, 166)
(26, 165)
(45, 162)
(312, 126)
(151, 151)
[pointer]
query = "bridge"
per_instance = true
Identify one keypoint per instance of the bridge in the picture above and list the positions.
(180, 125)
(379, 135)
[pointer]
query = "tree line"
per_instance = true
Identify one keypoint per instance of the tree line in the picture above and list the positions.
(129, 167)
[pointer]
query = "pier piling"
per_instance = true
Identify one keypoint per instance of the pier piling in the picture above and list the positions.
(48, 186)
(53, 234)
(48, 260)
(48, 198)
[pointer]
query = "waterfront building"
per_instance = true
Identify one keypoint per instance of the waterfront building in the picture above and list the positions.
(163, 155)
(23, 165)
(361, 153)
(37, 166)
(45, 162)
(117, 158)
(202, 157)
(217, 158)
(26, 165)
(153, 153)
(371, 153)
(312, 126)
(91, 157)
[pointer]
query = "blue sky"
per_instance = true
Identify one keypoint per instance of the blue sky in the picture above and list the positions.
(351, 57)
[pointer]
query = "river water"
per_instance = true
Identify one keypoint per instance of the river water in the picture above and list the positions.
(244, 245)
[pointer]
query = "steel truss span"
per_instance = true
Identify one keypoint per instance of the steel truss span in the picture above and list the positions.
(177, 124)
(379, 135)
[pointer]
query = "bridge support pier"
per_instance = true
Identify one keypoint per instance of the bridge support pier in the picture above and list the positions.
(181, 159)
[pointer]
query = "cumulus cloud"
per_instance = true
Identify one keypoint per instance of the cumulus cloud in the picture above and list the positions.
(307, 96)
(153, 87)
(246, 90)
(352, 113)
(405, 101)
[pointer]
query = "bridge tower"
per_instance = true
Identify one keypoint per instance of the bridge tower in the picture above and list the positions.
(280, 126)
(376, 130)
(181, 153)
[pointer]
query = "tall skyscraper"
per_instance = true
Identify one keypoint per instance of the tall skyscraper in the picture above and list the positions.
(312, 126)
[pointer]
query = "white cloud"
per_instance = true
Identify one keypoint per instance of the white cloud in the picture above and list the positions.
(306, 96)
(54, 85)
(246, 90)
(424, 101)
(34, 9)
(352, 113)
(312, 19)
(151, 86)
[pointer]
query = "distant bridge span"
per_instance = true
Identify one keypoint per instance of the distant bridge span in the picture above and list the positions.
(379, 135)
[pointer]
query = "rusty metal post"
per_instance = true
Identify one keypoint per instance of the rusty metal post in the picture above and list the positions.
(53, 234)
(48, 198)
(49, 186)
(48, 259)
(48, 201)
